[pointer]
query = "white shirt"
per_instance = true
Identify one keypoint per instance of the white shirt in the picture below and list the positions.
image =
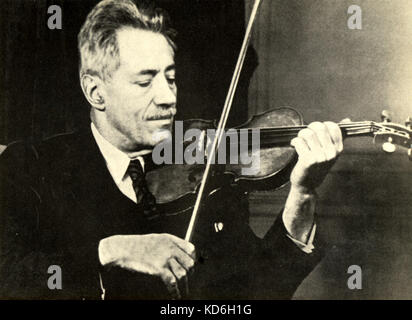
(306, 247)
(117, 163)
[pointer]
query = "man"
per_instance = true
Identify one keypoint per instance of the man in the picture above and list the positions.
(61, 203)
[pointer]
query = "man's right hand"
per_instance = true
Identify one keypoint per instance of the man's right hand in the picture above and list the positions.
(162, 255)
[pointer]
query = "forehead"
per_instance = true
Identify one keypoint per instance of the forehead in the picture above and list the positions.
(142, 50)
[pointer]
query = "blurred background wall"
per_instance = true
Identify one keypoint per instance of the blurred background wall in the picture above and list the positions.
(309, 59)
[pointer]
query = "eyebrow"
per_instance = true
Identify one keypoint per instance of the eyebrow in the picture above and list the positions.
(153, 72)
(150, 72)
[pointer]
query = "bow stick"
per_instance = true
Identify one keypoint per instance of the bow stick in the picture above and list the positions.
(223, 120)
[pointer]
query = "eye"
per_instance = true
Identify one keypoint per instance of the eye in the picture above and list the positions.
(171, 81)
(144, 84)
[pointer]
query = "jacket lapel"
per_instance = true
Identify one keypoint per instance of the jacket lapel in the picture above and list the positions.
(93, 190)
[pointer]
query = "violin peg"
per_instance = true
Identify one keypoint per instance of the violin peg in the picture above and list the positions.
(408, 123)
(386, 116)
(388, 146)
(410, 154)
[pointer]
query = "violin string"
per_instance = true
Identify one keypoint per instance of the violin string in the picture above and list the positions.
(369, 126)
(285, 134)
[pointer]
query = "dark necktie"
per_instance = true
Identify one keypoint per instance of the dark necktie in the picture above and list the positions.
(143, 195)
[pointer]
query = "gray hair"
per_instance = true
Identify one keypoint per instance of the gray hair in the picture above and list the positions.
(97, 40)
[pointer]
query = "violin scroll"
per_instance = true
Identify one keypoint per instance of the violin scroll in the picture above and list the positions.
(390, 135)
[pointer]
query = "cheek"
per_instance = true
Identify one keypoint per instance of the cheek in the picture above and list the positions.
(122, 95)
(136, 97)
(132, 100)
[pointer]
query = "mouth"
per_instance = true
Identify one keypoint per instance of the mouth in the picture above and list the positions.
(160, 118)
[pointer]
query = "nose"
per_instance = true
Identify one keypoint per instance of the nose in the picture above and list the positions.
(165, 93)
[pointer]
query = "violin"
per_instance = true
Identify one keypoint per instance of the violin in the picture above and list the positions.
(176, 186)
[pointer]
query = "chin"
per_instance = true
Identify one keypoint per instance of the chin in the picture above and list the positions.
(158, 134)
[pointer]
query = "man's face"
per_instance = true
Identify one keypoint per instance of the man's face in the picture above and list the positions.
(141, 94)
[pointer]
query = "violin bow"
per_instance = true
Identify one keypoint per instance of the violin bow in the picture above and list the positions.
(223, 120)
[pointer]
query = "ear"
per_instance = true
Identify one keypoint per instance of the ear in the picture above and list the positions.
(93, 90)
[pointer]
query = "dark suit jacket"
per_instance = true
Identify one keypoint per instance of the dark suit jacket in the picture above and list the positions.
(58, 201)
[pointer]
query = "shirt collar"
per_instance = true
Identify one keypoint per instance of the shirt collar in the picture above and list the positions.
(117, 161)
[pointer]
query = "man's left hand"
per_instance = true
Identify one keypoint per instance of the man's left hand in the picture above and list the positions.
(318, 147)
